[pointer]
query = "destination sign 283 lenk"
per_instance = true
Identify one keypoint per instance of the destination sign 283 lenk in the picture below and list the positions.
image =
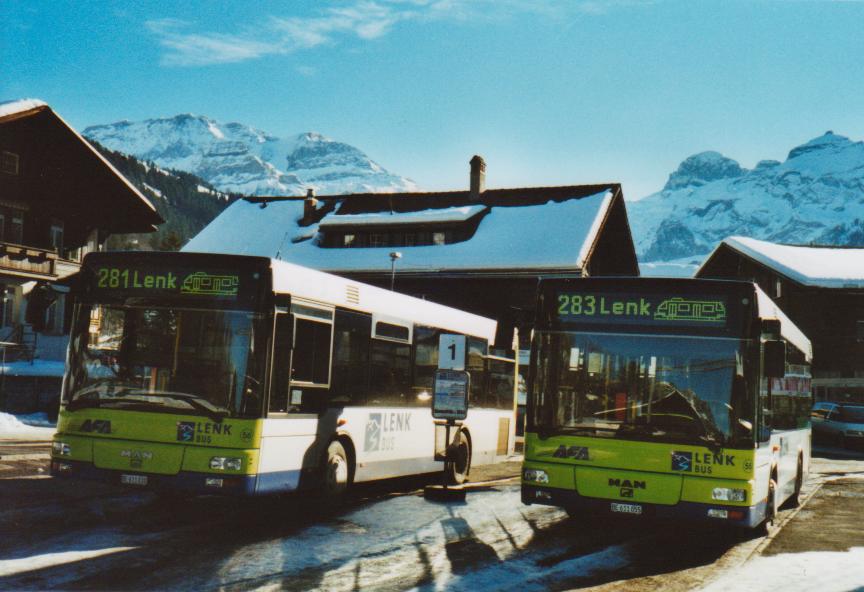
(651, 309)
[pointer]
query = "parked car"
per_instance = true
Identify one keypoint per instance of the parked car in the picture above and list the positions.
(838, 424)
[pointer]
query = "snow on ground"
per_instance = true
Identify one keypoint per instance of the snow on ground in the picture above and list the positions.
(13, 426)
(793, 572)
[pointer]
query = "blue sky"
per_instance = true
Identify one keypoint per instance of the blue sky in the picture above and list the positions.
(548, 92)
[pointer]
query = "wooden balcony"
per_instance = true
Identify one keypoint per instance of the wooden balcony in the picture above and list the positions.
(34, 262)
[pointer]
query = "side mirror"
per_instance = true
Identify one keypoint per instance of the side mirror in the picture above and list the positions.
(775, 358)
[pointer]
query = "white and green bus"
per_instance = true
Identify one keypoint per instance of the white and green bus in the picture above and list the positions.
(246, 375)
(670, 398)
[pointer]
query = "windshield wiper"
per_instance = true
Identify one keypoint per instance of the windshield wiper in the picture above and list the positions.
(217, 414)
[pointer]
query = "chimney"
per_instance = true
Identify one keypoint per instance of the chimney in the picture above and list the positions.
(478, 177)
(310, 204)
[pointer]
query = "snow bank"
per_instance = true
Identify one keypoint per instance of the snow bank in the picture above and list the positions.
(823, 570)
(11, 425)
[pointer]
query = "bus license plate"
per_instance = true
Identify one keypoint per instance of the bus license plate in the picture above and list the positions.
(133, 479)
(626, 508)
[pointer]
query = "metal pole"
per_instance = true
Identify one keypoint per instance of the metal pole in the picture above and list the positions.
(394, 255)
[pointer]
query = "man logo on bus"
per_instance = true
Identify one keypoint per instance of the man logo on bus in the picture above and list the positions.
(373, 433)
(682, 461)
(185, 431)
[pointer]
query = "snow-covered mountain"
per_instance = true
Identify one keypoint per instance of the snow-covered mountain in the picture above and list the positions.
(237, 158)
(816, 195)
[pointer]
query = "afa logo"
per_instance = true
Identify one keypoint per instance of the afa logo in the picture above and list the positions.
(185, 431)
(372, 441)
(682, 461)
(98, 426)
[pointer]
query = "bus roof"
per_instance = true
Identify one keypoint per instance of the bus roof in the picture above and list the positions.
(325, 287)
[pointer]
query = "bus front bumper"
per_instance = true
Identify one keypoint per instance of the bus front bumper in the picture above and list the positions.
(747, 517)
(183, 482)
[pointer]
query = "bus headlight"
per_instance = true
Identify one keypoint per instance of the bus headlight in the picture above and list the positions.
(535, 475)
(726, 494)
(226, 463)
(61, 448)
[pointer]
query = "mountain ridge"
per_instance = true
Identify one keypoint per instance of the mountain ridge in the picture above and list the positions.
(815, 196)
(237, 158)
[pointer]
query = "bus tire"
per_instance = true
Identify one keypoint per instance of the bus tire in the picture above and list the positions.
(337, 471)
(457, 468)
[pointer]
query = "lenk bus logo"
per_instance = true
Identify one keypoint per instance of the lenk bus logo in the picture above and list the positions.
(185, 431)
(380, 424)
(678, 309)
(700, 462)
(204, 284)
(201, 432)
(626, 487)
(98, 426)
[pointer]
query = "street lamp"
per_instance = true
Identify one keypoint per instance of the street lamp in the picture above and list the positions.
(394, 255)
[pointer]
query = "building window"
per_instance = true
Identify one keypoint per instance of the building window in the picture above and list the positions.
(377, 239)
(860, 333)
(57, 236)
(9, 163)
(7, 306)
(348, 240)
(778, 288)
(16, 229)
(438, 238)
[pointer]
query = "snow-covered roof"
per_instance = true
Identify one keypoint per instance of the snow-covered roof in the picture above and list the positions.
(399, 218)
(768, 309)
(551, 235)
(19, 106)
(822, 267)
(9, 108)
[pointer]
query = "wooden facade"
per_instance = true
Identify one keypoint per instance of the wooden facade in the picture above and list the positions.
(832, 317)
(59, 198)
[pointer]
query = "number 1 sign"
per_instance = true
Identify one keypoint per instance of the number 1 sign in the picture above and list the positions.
(451, 352)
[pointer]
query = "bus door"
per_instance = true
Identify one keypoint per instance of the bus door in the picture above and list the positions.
(501, 377)
(311, 353)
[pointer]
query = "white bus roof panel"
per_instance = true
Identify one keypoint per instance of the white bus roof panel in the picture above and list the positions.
(324, 287)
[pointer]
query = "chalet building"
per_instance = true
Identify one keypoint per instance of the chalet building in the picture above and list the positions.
(822, 291)
(59, 199)
(480, 250)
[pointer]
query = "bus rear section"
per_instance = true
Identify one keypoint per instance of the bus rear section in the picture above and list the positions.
(673, 399)
(242, 375)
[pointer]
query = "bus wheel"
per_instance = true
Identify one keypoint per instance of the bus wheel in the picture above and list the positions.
(457, 468)
(336, 471)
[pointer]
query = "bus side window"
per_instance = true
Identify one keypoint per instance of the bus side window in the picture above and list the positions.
(279, 374)
(351, 343)
(425, 363)
(390, 380)
(476, 367)
(311, 360)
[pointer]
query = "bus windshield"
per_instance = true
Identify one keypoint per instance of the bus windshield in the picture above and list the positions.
(642, 387)
(202, 362)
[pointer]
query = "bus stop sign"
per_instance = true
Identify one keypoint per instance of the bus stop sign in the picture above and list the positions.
(450, 394)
